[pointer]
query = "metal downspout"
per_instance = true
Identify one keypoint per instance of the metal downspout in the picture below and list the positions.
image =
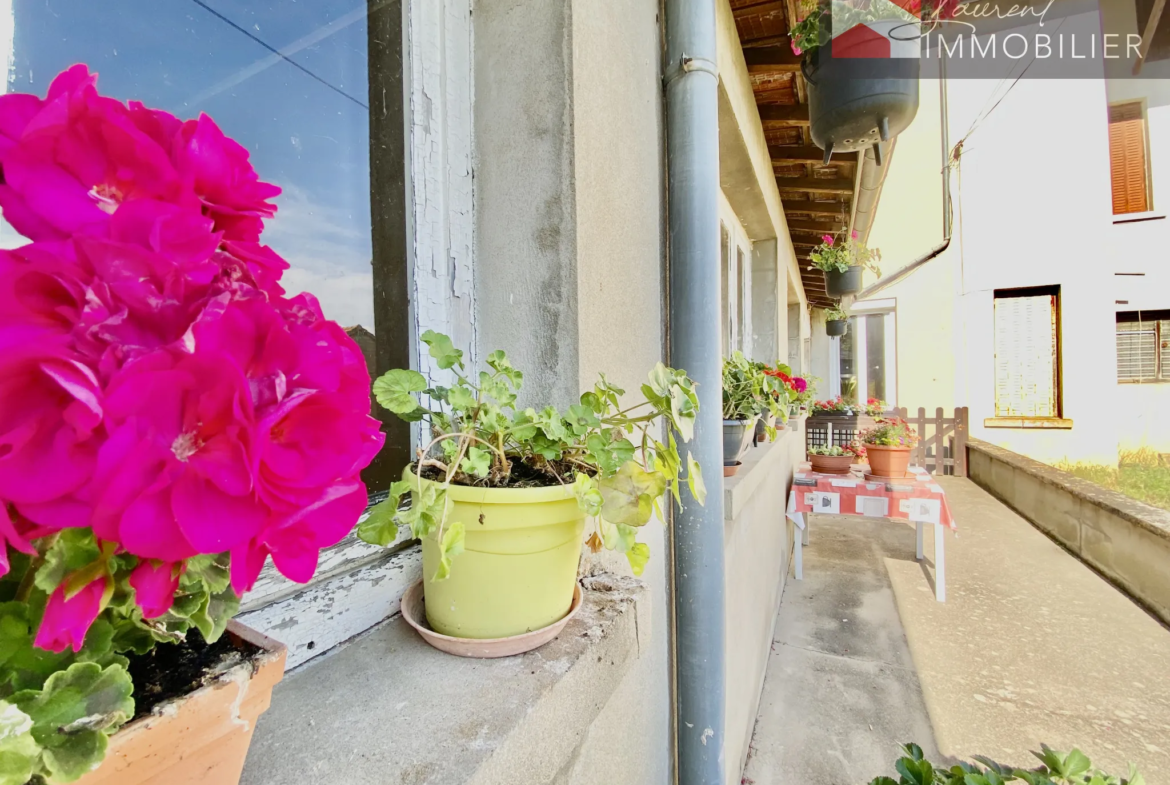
(692, 133)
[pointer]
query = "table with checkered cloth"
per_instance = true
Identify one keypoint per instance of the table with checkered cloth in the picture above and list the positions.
(918, 499)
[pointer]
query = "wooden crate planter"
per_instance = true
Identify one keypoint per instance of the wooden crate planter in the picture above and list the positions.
(939, 436)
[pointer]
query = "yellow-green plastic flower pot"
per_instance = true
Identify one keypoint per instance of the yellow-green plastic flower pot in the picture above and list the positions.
(518, 567)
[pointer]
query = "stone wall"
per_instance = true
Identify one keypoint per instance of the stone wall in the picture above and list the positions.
(1123, 539)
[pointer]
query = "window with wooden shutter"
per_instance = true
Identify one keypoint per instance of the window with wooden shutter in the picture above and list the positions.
(1143, 346)
(1127, 158)
(1027, 353)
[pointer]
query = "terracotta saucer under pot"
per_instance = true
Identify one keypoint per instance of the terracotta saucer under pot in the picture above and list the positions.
(414, 611)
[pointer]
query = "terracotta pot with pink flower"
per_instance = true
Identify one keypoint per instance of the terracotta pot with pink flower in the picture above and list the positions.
(887, 446)
(169, 420)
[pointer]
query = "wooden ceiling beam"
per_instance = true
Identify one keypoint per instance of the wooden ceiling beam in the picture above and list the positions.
(819, 185)
(759, 8)
(769, 59)
(814, 226)
(816, 208)
(787, 154)
(784, 114)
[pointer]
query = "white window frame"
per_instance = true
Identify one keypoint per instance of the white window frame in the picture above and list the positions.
(739, 289)
(885, 309)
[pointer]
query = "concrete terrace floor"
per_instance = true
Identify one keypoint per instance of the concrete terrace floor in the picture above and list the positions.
(1031, 646)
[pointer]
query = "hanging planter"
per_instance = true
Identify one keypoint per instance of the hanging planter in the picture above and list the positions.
(862, 87)
(839, 284)
(836, 328)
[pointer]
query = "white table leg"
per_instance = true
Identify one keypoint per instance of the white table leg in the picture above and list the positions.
(804, 531)
(940, 565)
(919, 535)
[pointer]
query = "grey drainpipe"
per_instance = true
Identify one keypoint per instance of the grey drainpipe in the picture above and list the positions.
(692, 133)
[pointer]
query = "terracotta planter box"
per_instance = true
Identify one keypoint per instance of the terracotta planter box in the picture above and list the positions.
(203, 738)
(887, 461)
(831, 464)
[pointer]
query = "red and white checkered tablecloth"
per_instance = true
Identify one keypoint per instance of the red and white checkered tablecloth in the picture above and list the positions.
(918, 499)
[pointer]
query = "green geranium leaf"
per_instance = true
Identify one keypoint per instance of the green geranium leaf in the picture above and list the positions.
(19, 752)
(462, 399)
(427, 509)
(395, 390)
(695, 480)
(131, 635)
(444, 352)
(498, 361)
(14, 630)
(449, 547)
(214, 571)
(477, 462)
(524, 425)
(83, 697)
(582, 418)
(638, 556)
(81, 754)
(550, 422)
(630, 494)
(214, 614)
(73, 550)
(379, 526)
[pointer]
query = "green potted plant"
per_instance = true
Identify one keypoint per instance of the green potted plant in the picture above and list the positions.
(1057, 768)
(747, 394)
(833, 458)
(836, 321)
(782, 392)
(842, 263)
(887, 445)
(499, 496)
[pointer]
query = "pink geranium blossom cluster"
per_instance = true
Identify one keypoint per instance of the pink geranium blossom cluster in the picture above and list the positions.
(156, 384)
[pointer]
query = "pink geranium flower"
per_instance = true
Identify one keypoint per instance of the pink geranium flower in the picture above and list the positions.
(155, 584)
(827, 239)
(10, 537)
(67, 620)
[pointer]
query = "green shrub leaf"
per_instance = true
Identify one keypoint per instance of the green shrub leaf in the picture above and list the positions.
(395, 390)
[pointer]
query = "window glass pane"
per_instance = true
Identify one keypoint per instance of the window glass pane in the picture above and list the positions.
(1137, 351)
(849, 361)
(1025, 356)
(302, 115)
(875, 357)
(307, 127)
(742, 291)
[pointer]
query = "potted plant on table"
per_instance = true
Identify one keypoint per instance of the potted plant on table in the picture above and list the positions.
(168, 420)
(833, 458)
(887, 446)
(836, 321)
(842, 263)
(499, 495)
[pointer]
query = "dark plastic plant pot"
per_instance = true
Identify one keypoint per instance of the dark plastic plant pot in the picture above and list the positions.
(858, 98)
(737, 436)
(840, 284)
(836, 327)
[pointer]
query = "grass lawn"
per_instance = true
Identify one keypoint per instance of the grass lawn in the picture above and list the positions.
(1140, 476)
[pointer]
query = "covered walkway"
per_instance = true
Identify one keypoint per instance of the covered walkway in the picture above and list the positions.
(1031, 646)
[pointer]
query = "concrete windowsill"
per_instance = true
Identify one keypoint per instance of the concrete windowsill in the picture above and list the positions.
(386, 707)
(1129, 218)
(1057, 423)
(758, 465)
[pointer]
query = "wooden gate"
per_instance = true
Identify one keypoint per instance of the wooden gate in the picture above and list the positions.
(940, 439)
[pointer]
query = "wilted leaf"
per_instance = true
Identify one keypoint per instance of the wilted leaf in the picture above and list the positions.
(589, 499)
(594, 542)
(449, 547)
(638, 556)
(629, 495)
(395, 390)
(695, 480)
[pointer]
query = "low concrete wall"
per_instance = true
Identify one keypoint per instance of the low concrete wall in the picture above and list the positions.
(1125, 540)
(758, 544)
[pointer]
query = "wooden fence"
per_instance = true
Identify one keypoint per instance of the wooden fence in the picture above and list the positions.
(942, 445)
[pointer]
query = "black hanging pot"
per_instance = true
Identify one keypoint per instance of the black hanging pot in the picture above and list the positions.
(836, 327)
(840, 284)
(861, 101)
